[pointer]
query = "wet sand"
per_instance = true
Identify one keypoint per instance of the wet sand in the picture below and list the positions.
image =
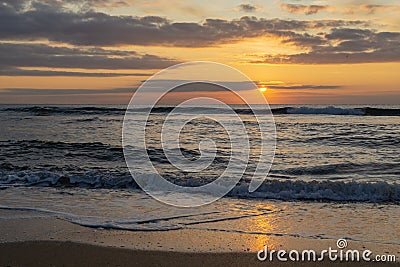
(31, 239)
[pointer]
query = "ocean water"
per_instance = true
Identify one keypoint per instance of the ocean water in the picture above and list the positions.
(67, 161)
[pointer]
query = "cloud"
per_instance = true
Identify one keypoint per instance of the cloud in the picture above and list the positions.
(247, 8)
(301, 39)
(305, 9)
(343, 46)
(373, 8)
(194, 87)
(17, 55)
(349, 34)
(14, 4)
(54, 22)
(104, 3)
(24, 72)
(305, 86)
(34, 91)
(206, 86)
(321, 41)
(81, 4)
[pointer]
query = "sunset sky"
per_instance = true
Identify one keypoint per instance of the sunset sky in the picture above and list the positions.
(99, 51)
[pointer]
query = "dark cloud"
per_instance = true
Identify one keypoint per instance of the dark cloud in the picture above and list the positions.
(207, 86)
(17, 55)
(24, 72)
(247, 8)
(301, 39)
(349, 34)
(306, 9)
(14, 4)
(54, 22)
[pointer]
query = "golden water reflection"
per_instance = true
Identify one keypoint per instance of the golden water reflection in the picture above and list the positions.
(263, 228)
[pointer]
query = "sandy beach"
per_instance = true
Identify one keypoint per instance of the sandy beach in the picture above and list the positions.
(199, 133)
(27, 239)
(55, 253)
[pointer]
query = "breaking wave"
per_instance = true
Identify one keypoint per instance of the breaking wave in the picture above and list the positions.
(282, 189)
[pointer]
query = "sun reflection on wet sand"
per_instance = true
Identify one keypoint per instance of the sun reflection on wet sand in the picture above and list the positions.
(263, 228)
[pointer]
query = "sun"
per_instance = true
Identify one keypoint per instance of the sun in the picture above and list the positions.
(262, 89)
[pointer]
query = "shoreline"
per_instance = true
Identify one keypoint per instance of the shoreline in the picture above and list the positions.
(31, 239)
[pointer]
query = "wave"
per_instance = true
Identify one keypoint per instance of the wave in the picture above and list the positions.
(82, 179)
(281, 189)
(91, 110)
(327, 110)
(374, 192)
(43, 144)
(85, 150)
(51, 110)
(342, 168)
(366, 111)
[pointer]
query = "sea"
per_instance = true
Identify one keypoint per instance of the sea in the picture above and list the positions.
(67, 161)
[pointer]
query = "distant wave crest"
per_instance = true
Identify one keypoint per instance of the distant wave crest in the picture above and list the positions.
(367, 111)
(91, 110)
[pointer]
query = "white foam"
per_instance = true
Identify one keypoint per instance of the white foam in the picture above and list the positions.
(325, 190)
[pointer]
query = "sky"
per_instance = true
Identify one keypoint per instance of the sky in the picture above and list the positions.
(100, 51)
